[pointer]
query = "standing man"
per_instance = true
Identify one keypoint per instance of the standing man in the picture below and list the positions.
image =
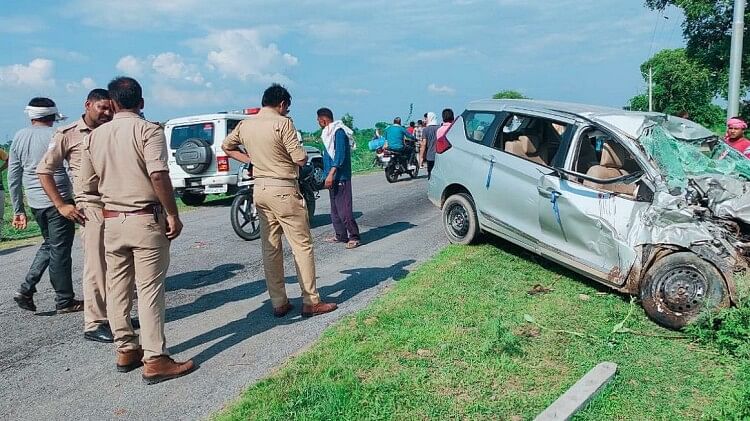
(28, 147)
(735, 136)
(3, 166)
(337, 162)
(430, 135)
(125, 163)
(270, 140)
(67, 146)
(419, 135)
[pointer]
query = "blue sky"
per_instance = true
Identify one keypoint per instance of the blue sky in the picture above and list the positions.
(369, 58)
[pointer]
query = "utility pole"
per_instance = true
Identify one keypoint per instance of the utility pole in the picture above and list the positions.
(735, 58)
(650, 90)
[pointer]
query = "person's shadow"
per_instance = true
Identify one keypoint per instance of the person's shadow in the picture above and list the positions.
(379, 233)
(322, 219)
(201, 278)
(261, 319)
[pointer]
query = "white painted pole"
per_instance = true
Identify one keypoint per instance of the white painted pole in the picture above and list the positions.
(650, 90)
(735, 58)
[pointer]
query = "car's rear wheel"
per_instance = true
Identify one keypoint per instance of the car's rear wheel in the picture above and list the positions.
(244, 217)
(460, 219)
(193, 199)
(681, 286)
(318, 174)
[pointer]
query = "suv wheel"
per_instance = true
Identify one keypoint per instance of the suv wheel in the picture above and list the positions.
(318, 175)
(192, 199)
(460, 219)
(194, 156)
(681, 286)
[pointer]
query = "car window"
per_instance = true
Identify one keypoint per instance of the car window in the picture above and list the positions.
(602, 156)
(479, 125)
(180, 134)
(231, 124)
(532, 138)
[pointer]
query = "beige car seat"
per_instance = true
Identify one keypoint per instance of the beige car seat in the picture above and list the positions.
(610, 166)
(527, 147)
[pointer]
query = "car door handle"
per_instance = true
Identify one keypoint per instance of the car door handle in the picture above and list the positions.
(489, 158)
(547, 191)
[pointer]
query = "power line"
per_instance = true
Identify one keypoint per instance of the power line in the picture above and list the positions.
(653, 36)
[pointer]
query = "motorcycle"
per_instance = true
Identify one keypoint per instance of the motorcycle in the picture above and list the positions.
(400, 162)
(244, 215)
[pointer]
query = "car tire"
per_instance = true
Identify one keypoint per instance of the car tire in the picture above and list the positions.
(194, 156)
(460, 219)
(193, 199)
(678, 288)
(241, 213)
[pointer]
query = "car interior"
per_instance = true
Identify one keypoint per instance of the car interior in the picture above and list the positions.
(600, 156)
(531, 138)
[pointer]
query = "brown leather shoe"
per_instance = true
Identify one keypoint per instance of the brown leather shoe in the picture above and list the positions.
(320, 308)
(159, 369)
(282, 310)
(129, 360)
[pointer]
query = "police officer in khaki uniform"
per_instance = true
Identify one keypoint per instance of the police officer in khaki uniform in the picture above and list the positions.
(125, 161)
(270, 140)
(67, 145)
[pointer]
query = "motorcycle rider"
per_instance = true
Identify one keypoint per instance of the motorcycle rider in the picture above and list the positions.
(396, 136)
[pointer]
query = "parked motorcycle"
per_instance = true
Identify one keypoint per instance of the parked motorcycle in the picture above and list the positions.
(400, 162)
(244, 215)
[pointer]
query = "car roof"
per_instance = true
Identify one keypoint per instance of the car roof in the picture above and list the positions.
(205, 117)
(629, 122)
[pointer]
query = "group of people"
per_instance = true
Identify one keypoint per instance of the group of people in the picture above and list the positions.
(422, 136)
(108, 171)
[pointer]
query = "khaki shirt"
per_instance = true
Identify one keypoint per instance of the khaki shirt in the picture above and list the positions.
(67, 145)
(271, 141)
(118, 159)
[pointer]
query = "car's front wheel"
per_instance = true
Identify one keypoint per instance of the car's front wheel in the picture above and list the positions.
(460, 219)
(681, 286)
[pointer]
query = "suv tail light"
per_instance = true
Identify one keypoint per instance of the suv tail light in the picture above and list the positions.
(222, 163)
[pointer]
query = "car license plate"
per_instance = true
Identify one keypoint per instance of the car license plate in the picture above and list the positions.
(385, 159)
(245, 182)
(215, 189)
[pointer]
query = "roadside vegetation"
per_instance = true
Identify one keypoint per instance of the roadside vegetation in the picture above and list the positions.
(493, 332)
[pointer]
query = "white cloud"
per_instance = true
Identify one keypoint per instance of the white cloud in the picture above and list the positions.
(440, 89)
(130, 65)
(172, 66)
(180, 98)
(241, 54)
(86, 83)
(37, 74)
(354, 91)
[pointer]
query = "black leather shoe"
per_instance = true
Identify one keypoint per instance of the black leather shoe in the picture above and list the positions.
(102, 333)
(26, 302)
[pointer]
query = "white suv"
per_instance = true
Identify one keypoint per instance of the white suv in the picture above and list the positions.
(198, 166)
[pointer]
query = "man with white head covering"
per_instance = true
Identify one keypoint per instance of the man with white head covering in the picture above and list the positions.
(430, 136)
(28, 148)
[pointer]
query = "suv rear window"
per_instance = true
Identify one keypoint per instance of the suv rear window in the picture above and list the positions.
(180, 134)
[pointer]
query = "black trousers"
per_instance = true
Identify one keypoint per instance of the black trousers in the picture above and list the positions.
(54, 254)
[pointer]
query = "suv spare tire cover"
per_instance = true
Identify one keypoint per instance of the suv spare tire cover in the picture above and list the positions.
(194, 156)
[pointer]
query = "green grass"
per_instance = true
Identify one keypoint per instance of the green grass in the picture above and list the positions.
(363, 160)
(450, 341)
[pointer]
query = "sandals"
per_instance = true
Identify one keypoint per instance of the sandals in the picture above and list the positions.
(332, 239)
(352, 244)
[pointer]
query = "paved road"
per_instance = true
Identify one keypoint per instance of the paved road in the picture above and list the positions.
(218, 312)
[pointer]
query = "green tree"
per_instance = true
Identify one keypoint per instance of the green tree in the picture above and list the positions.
(707, 31)
(680, 84)
(348, 120)
(509, 94)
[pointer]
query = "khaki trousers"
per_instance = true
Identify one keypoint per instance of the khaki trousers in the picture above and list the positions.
(94, 269)
(282, 209)
(137, 253)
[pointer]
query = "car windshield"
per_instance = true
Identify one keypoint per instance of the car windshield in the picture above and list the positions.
(180, 134)
(679, 160)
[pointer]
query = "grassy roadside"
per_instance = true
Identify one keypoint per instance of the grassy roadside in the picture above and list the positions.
(451, 341)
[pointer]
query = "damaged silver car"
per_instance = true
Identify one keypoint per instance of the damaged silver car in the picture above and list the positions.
(647, 204)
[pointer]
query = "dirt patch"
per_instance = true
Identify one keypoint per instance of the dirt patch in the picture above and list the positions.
(539, 289)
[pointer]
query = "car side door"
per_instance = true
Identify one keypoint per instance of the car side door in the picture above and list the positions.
(585, 224)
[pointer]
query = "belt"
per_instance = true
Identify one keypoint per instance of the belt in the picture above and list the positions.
(148, 210)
